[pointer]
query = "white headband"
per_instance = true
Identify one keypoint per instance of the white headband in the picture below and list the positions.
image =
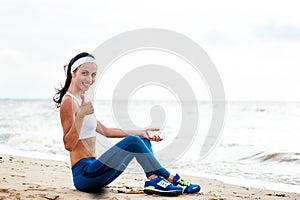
(81, 61)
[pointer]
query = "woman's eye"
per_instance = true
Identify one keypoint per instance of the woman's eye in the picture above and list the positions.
(94, 75)
(84, 73)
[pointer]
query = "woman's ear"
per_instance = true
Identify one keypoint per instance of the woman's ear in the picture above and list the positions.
(74, 74)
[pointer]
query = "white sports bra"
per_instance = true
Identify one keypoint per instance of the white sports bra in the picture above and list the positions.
(89, 124)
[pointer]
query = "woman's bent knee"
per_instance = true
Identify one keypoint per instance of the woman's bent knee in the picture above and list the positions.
(133, 138)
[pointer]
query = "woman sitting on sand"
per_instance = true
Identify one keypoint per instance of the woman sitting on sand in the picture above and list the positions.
(80, 127)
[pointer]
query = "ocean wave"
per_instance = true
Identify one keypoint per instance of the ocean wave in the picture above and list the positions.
(5, 137)
(281, 157)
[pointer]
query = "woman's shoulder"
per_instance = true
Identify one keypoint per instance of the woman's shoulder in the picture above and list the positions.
(66, 104)
(66, 100)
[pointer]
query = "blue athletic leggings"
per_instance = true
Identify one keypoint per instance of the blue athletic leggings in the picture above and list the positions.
(91, 174)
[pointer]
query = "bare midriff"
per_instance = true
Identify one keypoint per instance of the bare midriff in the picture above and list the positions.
(85, 148)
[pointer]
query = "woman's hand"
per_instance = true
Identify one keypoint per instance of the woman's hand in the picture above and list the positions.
(156, 138)
(86, 108)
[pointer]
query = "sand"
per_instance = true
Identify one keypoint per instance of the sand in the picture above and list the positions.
(30, 178)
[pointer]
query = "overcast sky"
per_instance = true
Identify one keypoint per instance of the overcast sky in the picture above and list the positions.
(254, 44)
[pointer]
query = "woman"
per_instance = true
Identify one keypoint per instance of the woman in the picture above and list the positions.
(80, 128)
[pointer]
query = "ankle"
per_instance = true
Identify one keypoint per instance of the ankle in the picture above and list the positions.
(171, 178)
(153, 176)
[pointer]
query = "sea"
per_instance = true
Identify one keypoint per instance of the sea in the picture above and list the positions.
(258, 145)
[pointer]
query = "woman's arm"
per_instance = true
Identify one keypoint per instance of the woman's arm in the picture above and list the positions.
(72, 122)
(119, 133)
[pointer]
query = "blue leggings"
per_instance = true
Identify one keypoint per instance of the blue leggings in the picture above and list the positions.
(91, 174)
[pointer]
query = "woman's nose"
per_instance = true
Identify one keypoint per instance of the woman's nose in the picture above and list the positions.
(89, 79)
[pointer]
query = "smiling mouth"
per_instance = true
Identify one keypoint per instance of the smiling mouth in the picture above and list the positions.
(87, 85)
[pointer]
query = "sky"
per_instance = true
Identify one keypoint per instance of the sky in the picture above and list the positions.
(254, 44)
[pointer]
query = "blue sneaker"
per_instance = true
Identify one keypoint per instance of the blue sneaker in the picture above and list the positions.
(161, 186)
(186, 186)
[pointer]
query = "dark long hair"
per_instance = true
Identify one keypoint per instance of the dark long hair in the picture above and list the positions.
(61, 92)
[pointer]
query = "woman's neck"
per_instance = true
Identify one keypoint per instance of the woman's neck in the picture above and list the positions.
(75, 91)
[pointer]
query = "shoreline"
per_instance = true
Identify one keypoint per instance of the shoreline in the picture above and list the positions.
(259, 184)
(33, 178)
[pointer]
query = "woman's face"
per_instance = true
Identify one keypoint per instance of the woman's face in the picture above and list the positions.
(85, 76)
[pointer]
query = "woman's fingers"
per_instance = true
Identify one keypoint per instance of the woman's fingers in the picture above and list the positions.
(87, 108)
(156, 138)
(155, 129)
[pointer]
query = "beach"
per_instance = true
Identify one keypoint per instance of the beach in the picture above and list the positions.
(258, 148)
(32, 178)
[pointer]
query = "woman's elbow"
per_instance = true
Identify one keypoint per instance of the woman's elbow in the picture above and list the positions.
(107, 134)
(68, 146)
(104, 133)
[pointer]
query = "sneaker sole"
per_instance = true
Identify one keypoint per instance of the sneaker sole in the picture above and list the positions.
(163, 193)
